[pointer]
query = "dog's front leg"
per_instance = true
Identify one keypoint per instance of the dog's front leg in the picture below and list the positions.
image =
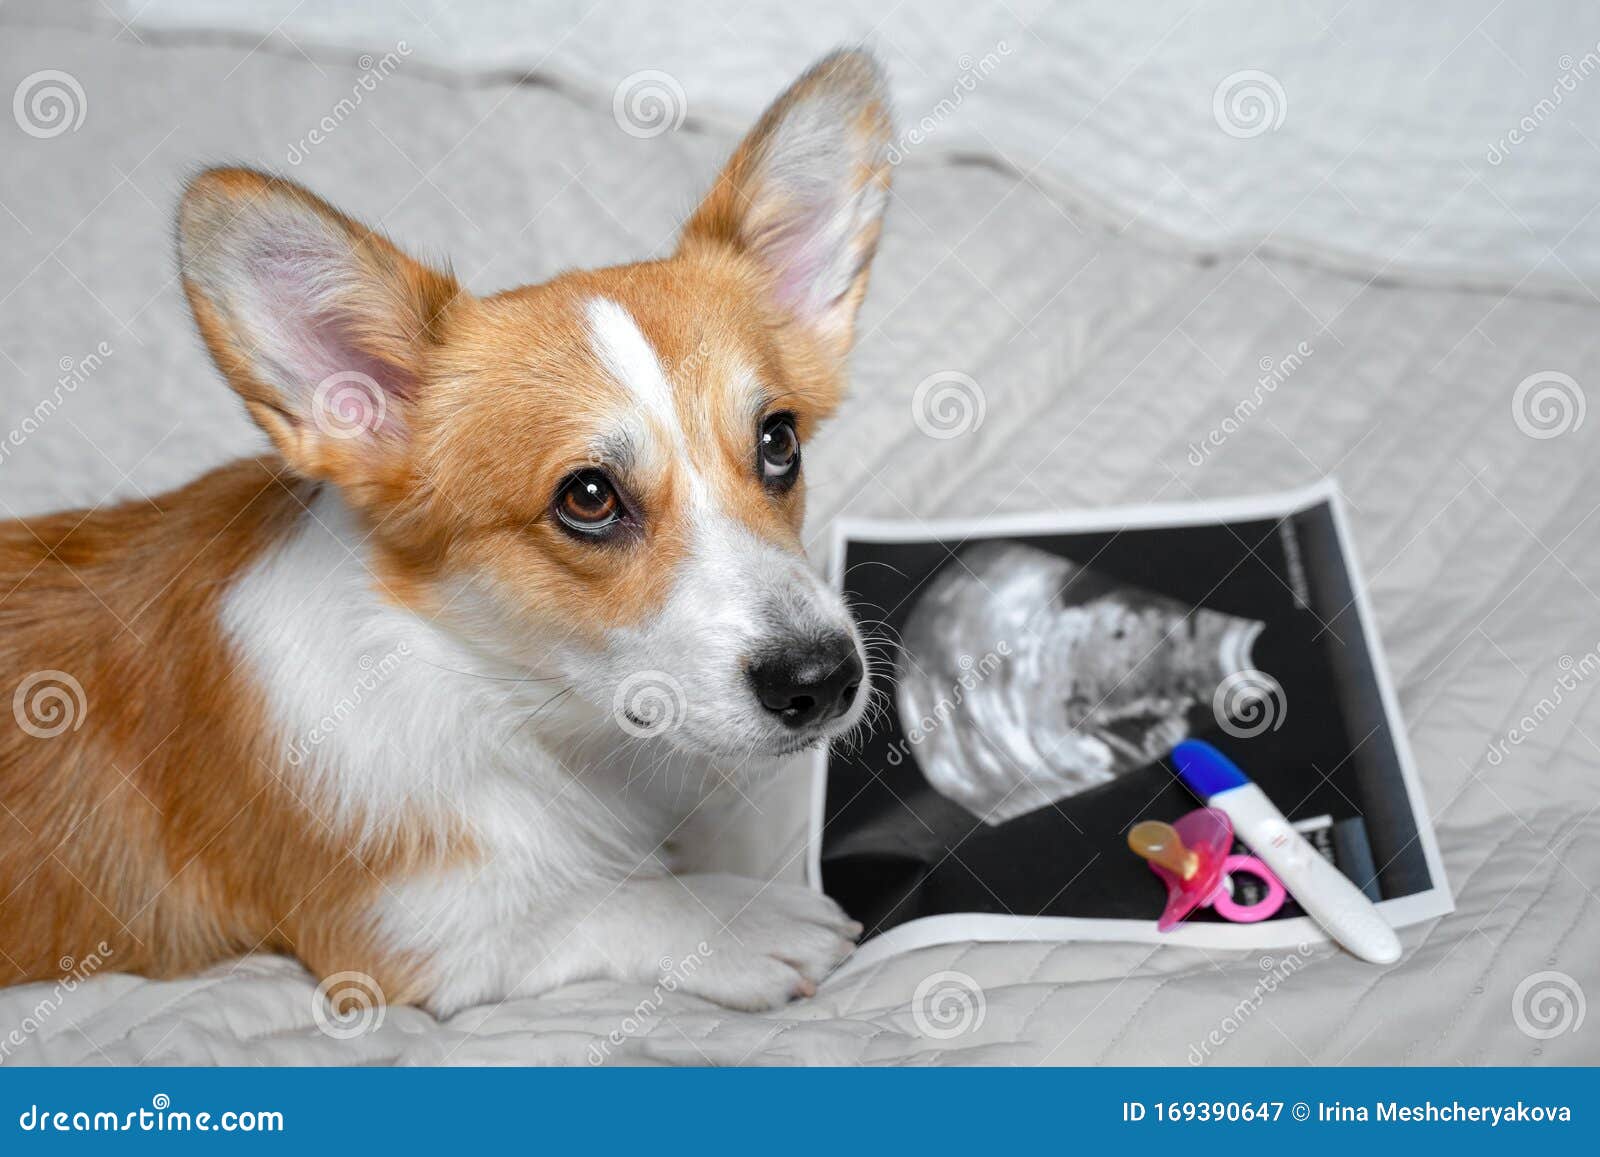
(740, 942)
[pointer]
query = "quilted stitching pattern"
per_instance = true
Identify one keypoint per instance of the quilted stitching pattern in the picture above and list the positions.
(1101, 357)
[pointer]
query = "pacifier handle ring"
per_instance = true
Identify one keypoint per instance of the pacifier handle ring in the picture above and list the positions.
(1223, 904)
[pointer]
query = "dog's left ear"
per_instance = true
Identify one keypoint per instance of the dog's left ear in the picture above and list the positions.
(321, 325)
(805, 193)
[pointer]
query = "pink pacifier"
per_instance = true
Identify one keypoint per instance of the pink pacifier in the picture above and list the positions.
(1193, 858)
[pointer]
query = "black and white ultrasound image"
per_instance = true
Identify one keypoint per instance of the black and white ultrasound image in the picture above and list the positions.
(1039, 683)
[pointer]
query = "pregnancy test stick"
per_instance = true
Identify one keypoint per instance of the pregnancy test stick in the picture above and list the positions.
(1325, 893)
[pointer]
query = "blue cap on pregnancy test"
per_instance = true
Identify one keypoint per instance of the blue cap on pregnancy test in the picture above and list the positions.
(1205, 770)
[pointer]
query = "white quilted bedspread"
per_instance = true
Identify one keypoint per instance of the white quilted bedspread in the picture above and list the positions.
(1102, 352)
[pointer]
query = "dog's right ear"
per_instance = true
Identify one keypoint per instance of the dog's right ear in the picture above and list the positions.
(321, 325)
(804, 195)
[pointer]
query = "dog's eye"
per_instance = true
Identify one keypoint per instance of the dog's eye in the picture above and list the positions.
(779, 451)
(588, 503)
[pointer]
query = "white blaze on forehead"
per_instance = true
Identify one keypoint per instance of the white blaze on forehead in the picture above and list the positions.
(629, 357)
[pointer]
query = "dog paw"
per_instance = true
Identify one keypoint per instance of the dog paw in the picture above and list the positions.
(765, 943)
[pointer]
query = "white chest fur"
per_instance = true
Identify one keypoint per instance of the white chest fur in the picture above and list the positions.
(380, 716)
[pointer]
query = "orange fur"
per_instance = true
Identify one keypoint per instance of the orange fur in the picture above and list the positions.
(164, 824)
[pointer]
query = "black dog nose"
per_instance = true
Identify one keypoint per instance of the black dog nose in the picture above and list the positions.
(811, 683)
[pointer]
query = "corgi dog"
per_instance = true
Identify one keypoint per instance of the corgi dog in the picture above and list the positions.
(426, 694)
